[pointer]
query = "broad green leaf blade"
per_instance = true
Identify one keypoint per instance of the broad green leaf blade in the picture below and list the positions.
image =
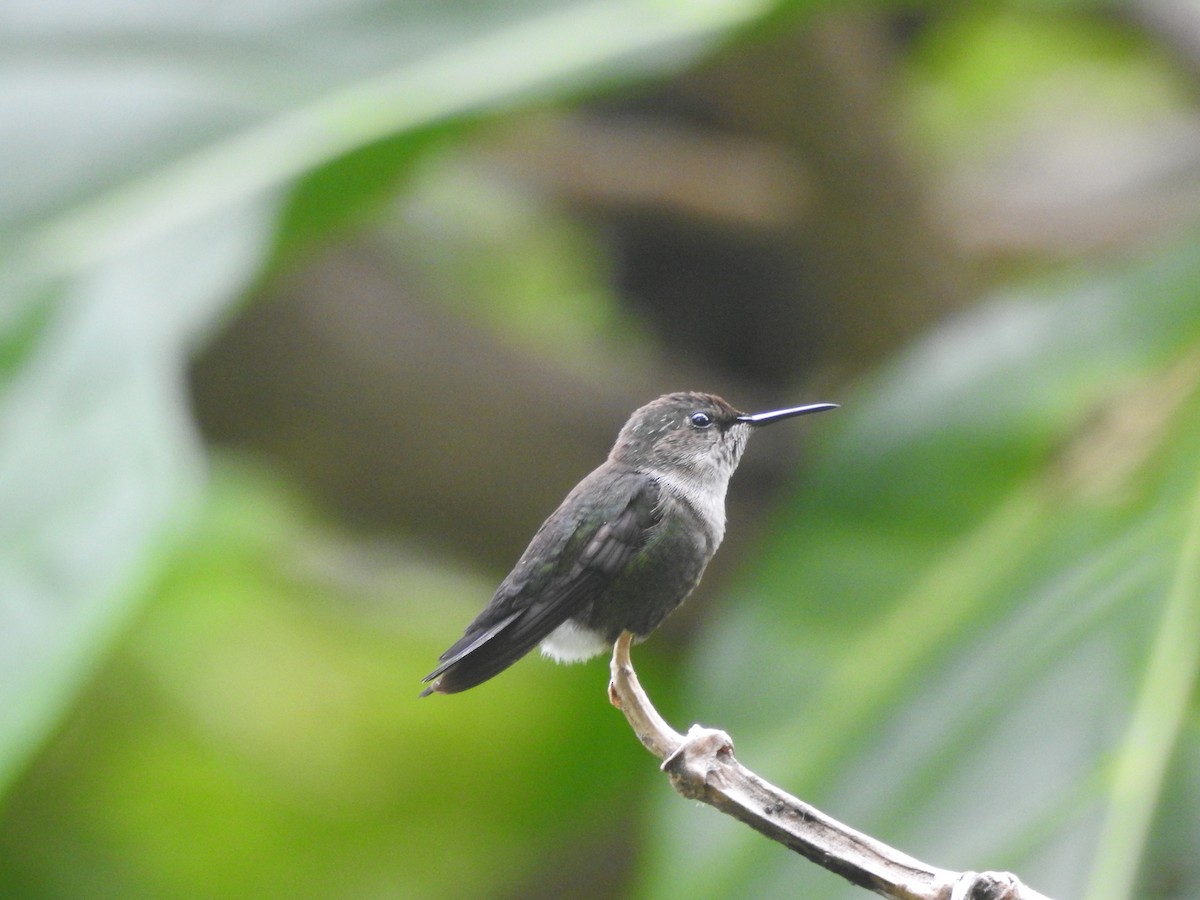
(501, 55)
(97, 455)
(944, 643)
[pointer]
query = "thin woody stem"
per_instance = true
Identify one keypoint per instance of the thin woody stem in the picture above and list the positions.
(702, 766)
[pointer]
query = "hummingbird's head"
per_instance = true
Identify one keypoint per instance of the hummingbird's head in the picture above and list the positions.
(691, 433)
(696, 435)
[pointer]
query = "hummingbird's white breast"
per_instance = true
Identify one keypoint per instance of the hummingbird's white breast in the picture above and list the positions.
(571, 642)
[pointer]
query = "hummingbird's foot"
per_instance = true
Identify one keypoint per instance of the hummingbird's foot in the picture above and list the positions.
(613, 697)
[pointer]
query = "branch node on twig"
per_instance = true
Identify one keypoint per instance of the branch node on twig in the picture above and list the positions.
(693, 759)
(988, 886)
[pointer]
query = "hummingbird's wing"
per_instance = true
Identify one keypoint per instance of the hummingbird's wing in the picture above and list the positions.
(576, 554)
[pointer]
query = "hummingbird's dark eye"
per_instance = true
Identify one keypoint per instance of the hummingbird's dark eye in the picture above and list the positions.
(700, 420)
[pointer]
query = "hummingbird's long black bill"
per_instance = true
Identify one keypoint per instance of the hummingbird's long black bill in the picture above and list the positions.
(766, 418)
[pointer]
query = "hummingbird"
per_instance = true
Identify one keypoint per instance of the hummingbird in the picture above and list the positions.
(624, 548)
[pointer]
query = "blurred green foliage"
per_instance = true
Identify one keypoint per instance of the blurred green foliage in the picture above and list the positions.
(954, 619)
(551, 298)
(972, 631)
(978, 75)
(118, 256)
(258, 732)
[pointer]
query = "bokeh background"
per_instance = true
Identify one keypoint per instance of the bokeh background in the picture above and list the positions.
(311, 311)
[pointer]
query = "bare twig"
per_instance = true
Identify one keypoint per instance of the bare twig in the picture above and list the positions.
(702, 767)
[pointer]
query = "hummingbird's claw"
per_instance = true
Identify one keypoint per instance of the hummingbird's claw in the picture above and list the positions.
(613, 697)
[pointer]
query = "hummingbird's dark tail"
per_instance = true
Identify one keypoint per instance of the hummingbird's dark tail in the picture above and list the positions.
(468, 672)
(579, 552)
(484, 652)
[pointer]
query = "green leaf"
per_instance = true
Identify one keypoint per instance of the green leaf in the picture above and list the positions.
(98, 459)
(1159, 718)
